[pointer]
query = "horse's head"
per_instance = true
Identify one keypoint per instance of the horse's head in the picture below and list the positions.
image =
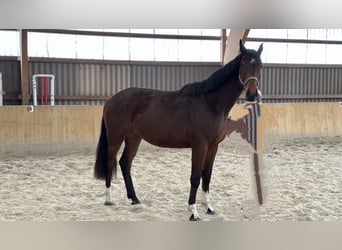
(249, 75)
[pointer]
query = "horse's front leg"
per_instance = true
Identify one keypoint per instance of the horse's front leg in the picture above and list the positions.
(206, 176)
(197, 161)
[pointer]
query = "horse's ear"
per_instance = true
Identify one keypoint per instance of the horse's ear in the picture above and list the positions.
(260, 49)
(242, 47)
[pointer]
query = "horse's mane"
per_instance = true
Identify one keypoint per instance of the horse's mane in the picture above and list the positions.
(214, 81)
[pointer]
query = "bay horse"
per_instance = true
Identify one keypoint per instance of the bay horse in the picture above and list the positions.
(194, 116)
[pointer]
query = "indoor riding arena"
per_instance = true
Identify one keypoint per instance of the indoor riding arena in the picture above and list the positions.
(280, 160)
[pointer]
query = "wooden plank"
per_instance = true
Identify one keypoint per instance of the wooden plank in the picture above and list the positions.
(27, 133)
(78, 123)
(8, 125)
(49, 121)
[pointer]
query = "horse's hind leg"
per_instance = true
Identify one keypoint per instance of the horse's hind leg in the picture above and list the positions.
(132, 143)
(111, 165)
(197, 161)
(206, 176)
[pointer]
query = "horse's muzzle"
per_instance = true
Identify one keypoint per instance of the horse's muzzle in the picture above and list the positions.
(252, 97)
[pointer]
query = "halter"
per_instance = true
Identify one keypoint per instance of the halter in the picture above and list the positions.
(243, 83)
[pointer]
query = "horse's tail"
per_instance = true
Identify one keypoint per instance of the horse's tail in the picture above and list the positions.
(100, 168)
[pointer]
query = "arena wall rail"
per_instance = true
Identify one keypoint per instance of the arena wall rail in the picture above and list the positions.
(72, 125)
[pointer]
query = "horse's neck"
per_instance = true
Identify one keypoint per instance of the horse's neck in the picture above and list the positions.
(224, 98)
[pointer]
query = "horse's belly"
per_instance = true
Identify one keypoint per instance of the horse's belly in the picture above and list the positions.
(165, 139)
(167, 143)
(163, 134)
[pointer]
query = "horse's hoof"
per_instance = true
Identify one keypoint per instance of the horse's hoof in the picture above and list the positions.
(211, 212)
(135, 202)
(193, 218)
(109, 203)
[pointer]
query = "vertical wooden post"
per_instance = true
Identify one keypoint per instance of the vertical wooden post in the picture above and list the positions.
(245, 35)
(24, 67)
(232, 49)
(223, 44)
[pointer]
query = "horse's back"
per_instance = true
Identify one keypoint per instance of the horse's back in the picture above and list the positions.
(159, 117)
(131, 98)
(125, 104)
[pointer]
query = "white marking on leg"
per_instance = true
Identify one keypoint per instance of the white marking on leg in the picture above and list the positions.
(206, 201)
(108, 196)
(193, 210)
